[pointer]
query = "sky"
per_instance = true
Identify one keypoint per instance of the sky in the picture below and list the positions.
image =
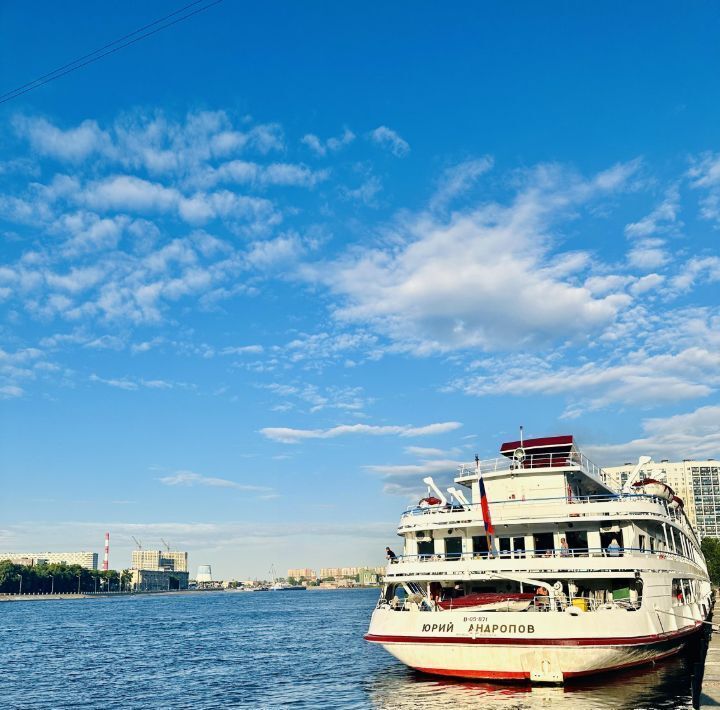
(264, 270)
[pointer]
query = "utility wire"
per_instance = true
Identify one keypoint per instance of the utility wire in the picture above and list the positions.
(100, 53)
(100, 49)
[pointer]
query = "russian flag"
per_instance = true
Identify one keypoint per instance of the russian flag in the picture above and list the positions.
(489, 529)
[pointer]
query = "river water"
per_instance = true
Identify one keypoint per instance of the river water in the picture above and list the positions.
(259, 650)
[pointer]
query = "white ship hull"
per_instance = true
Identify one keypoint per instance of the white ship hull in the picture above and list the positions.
(534, 647)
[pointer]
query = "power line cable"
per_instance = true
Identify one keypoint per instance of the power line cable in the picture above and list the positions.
(90, 58)
(100, 49)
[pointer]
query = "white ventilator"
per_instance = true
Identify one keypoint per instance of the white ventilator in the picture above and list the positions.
(459, 495)
(635, 472)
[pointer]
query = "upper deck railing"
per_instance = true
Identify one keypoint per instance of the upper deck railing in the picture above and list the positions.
(571, 459)
(514, 510)
(504, 506)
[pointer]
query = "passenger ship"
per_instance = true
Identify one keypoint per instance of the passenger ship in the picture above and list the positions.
(538, 571)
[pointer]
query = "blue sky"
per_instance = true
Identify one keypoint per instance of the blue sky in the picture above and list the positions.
(263, 271)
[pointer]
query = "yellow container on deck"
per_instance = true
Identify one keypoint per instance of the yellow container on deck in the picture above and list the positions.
(580, 603)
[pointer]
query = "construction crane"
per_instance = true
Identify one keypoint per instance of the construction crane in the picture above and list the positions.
(137, 542)
(167, 547)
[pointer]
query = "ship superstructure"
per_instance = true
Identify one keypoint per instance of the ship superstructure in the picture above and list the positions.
(531, 568)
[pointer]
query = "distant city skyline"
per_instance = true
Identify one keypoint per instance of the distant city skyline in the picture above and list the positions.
(265, 270)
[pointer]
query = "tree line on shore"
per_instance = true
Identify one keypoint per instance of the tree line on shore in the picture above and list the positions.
(60, 578)
(711, 549)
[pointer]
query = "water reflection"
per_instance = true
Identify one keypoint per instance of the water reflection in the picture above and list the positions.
(663, 687)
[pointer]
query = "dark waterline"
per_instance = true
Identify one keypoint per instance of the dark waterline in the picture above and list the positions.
(261, 650)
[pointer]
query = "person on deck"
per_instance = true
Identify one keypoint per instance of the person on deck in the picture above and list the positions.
(613, 549)
(564, 548)
(390, 555)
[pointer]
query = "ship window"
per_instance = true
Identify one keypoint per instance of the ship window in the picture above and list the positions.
(480, 546)
(677, 592)
(426, 548)
(652, 544)
(641, 542)
(453, 548)
(577, 541)
(544, 544)
(687, 589)
(519, 546)
(504, 547)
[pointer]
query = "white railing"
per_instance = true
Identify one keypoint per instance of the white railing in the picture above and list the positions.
(568, 459)
(503, 509)
(563, 553)
(539, 603)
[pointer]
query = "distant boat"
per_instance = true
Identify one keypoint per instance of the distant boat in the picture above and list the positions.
(283, 586)
(287, 588)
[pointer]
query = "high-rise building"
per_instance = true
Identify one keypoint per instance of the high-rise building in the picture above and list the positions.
(89, 560)
(159, 560)
(149, 580)
(340, 572)
(204, 574)
(302, 573)
(696, 482)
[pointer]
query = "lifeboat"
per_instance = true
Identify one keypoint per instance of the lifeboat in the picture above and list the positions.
(651, 487)
(489, 601)
(429, 501)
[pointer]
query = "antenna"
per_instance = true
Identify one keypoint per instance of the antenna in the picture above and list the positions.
(167, 547)
(137, 542)
(521, 436)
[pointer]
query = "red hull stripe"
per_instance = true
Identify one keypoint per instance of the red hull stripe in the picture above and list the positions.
(522, 675)
(485, 675)
(505, 641)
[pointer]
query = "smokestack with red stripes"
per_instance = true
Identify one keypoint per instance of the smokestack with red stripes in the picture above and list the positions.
(106, 558)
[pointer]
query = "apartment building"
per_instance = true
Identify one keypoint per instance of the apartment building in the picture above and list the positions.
(89, 560)
(696, 482)
(159, 560)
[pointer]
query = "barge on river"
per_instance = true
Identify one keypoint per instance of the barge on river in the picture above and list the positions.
(568, 578)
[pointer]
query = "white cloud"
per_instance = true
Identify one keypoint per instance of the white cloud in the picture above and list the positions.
(128, 192)
(704, 174)
(243, 350)
(74, 144)
(389, 139)
(641, 380)
(696, 269)
(691, 435)
(661, 219)
(293, 436)
(489, 278)
(10, 391)
(130, 384)
(349, 399)
(648, 254)
(189, 478)
(418, 469)
(332, 145)
(458, 179)
(650, 282)
(123, 384)
(243, 172)
(320, 349)
(281, 250)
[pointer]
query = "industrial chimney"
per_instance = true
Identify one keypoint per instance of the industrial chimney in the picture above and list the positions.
(106, 558)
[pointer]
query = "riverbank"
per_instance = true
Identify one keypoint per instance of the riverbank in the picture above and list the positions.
(99, 595)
